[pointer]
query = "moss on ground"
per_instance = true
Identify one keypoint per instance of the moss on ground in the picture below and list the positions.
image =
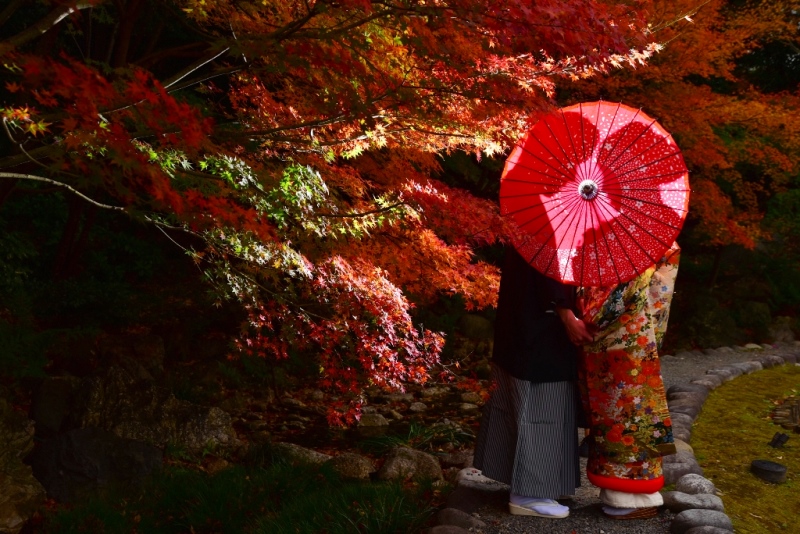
(734, 429)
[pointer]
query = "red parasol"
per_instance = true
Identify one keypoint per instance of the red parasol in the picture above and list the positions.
(600, 192)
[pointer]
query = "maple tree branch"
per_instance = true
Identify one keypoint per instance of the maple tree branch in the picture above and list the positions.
(280, 297)
(195, 81)
(364, 213)
(197, 65)
(294, 26)
(456, 14)
(45, 24)
(332, 32)
(160, 226)
(390, 87)
(19, 176)
(680, 16)
(263, 133)
(441, 134)
(463, 92)
(18, 159)
(342, 117)
(10, 9)
(387, 133)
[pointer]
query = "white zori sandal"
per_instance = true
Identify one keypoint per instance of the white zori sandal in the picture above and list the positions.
(538, 507)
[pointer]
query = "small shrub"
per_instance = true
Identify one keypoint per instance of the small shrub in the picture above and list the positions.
(265, 495)
(420, 437)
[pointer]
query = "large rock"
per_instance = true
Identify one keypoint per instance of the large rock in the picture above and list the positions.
(695, 485)
(675, 470)
(352, 466)
(140, 354)
(417, 407)
(682, 433)
(52, 403)
(709, 381)
(689, 519)
(677, 501)
(692, 388)
(403, 463)
(20, 492)
(726, 374)
(471, 397)
(748, 367)
(771, 360)
(460, 459)
(781, 330)
(372, 420)
(459, 518)
(297, 454)
(708, 530)
(474, 491)
(473, 478)
(135, 408)
(683, 447)
(87, 461)
(434, 391)
(687, 406)
(447, 529)
(680, 456)
(372, 425)
(736, 371)
(684, 395)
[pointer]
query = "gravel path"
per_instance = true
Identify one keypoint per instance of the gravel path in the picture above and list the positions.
(585, 515)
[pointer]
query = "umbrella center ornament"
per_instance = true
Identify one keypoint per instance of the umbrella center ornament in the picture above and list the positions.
(588, 189)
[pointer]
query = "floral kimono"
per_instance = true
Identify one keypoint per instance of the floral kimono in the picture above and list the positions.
(622, 388)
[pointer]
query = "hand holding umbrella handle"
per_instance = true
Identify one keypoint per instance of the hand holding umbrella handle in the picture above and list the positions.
(579, 332)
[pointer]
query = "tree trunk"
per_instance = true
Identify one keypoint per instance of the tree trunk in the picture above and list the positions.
(129, 18)
(712, 282)
(69, 238)
(6, 187)
(73, 262)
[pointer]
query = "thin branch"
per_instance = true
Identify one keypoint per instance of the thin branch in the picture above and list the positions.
(34, 160)
(8, 132)
(45, 24)
(261, 133)
(19, 159)
(10, 9)
(18, 176)
(192, 68)
(217, 74)
(294, 26)
(365, 213)
(278, 297)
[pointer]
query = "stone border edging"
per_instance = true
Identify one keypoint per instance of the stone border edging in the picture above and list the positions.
(698, 508)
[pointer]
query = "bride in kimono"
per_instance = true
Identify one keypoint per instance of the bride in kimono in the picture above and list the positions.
(623, 392)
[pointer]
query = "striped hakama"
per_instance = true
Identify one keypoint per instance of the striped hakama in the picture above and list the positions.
(528, 437)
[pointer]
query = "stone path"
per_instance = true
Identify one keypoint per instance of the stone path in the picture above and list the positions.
(479, 505)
